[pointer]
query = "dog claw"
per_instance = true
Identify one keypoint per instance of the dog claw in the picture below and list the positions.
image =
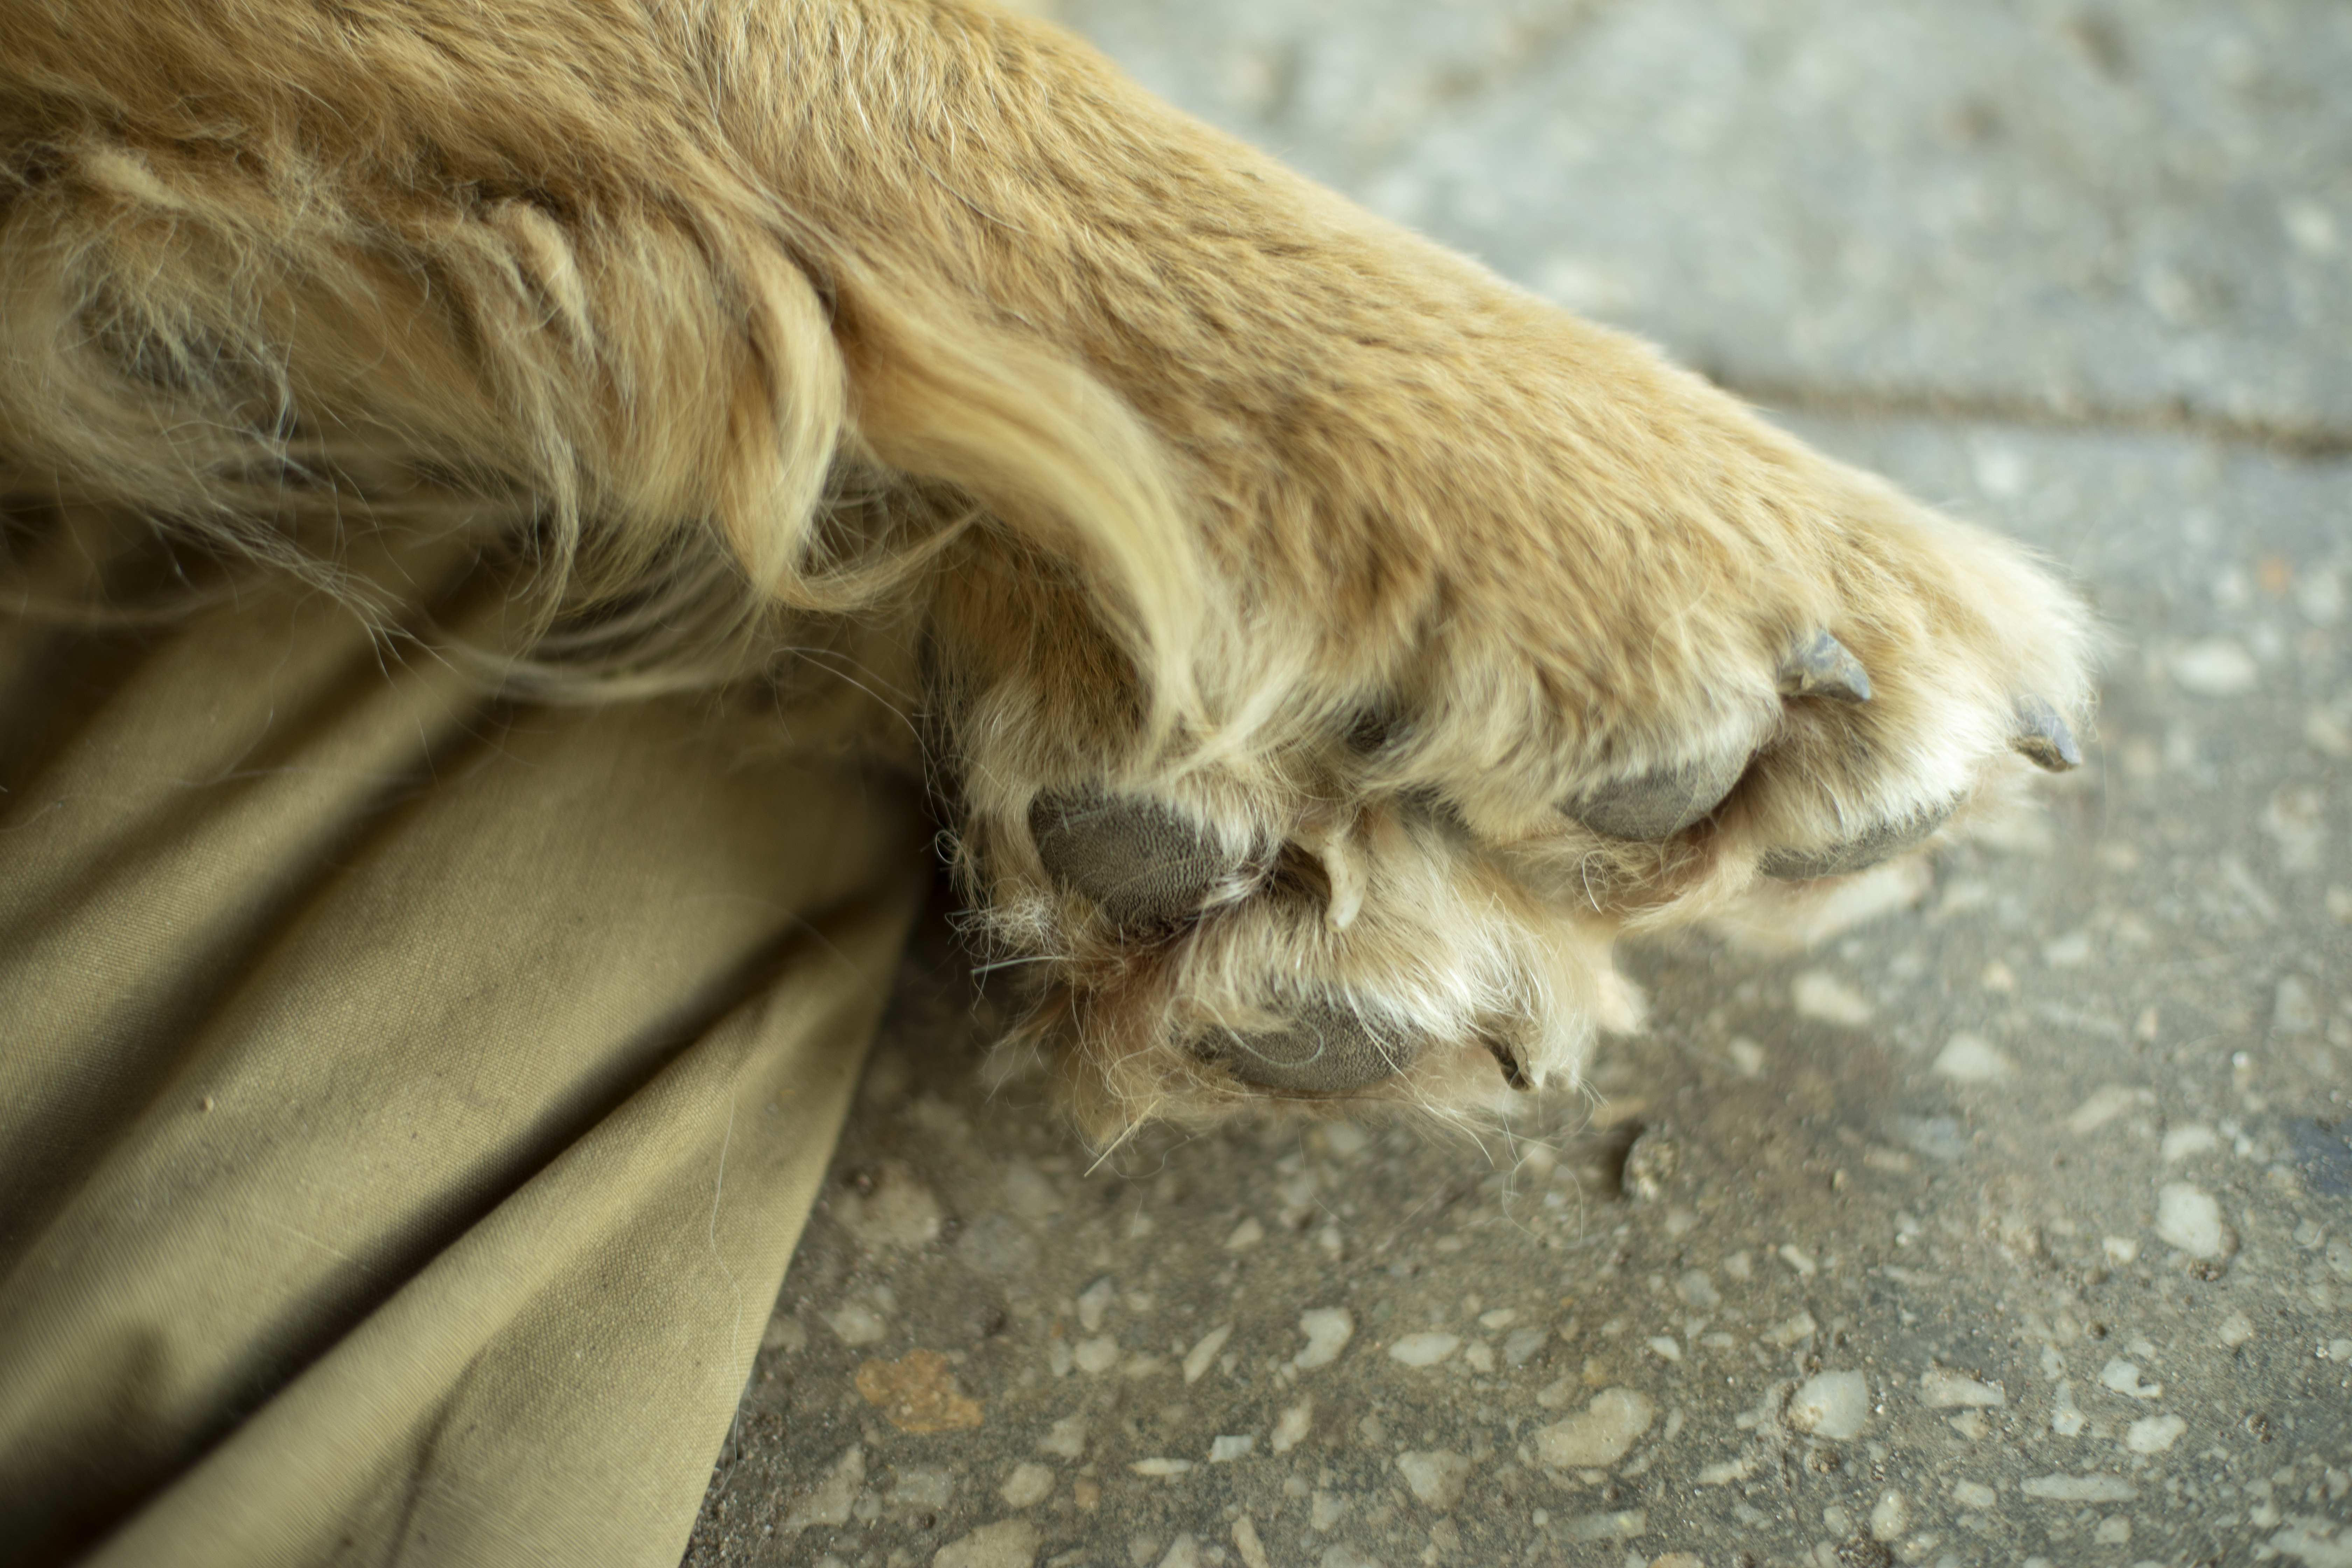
(1859, 853)
(1325, 1049)
(2044, 738)
(1141, 863)
(1658, 804)
(1822, 667)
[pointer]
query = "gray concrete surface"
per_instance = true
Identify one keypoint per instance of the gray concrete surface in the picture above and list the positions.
(2013, 1222)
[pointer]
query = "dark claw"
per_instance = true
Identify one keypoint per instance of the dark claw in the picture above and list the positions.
(2043, 737)
(1658, 804)
(1141, 863)
(1820, 667)
(1860, 853)
(1327, 1048)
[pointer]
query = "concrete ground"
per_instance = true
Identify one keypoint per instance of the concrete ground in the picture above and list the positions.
(2012, 1224)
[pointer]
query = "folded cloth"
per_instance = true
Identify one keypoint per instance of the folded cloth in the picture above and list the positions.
(409, 1101)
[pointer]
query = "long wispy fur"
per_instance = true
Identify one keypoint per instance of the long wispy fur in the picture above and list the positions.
(1199, 484)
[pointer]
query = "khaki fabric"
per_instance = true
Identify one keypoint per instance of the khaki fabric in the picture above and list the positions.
(408, 1103)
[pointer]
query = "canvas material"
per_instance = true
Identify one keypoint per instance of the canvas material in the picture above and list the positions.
(408, 1101)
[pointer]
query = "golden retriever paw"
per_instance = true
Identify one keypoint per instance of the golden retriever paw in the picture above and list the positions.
(1519, 640)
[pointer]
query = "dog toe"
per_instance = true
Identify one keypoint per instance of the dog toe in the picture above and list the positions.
(1859, 853)
(1141, 863)
(1660, 802)
(1325, 1048)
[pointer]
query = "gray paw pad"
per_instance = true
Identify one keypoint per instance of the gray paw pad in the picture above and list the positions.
(1859, 853)
(1327, 1048)
(1820, 667)
(1658, 804)
(1140, 862)
(2044, 738)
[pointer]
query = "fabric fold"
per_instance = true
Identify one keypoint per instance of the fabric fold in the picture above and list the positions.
(409, 1102)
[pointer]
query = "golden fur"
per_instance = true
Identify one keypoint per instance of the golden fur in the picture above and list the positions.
(1200, 486)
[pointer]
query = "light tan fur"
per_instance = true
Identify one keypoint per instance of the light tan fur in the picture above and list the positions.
(1201, 485)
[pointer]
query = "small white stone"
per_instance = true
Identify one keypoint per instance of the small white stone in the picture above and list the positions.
(2066, 1417)
(899, 1212)
(2104, 1105)
(2122, 1377)
(1246, 1543)
(1425, 1349)
(2235, 1330)
(1747, 1056)
(1065, 1437)
(1325, 1510)
(1940, 1390)
(2196, 1138)
(1161, 1468)
(1097, 1300)
(1345, 1140)
(2214, 666)
(1620, 1524)
(1204, 1351)
(1249, 1233)
(1029, 1485)
(1225, 1449)
(855, 1323)
(1294, 1426)
(1798, 1258)
(1436, 1478)
(1817, 994)
(1889, 1517)
(2339, 1350)
(1098, 1354)
(2293, 1009)
(2080, 1488)
(1664, 1347)
(1601, 1434)
(1973, 1494)
(1970, 1058)
(784, 1333)
(1834, 1405)
(1328, 1331)
(1500, 1318)
(2069, 951)
(2120, 1249)
(1030, 1192)
(829, 1501)
(1786, 1334)
(1699, 1291)
(1008, 1544)
(2190, 1219)
(2153, 1434)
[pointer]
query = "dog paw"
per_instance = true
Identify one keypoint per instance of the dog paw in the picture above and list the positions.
(1798, 680)
(1516, 640)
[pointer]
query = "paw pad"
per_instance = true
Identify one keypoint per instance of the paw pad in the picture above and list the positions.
(1325, 1048)
(1664, 801)
(1859, 853)
(1141, 863)
(1658, 804)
